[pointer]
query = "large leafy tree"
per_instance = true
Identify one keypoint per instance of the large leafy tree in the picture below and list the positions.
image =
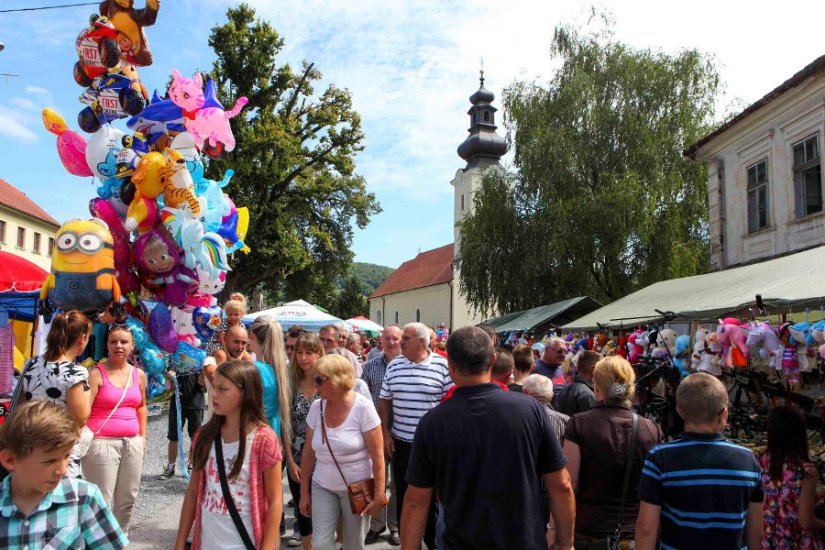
(602, 201)
(294, 165)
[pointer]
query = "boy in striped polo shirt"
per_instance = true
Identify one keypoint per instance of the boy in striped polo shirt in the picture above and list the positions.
(704, 491)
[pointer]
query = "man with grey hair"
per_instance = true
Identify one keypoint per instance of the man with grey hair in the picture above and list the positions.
(458, 453)
(330, 336)
(413, 384)
(549, 364)
(540, 388)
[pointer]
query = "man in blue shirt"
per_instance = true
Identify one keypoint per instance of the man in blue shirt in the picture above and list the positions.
(702, 490)
(549, 364)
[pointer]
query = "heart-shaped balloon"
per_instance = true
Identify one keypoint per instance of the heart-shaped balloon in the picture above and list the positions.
(207, 319)
(152, 359)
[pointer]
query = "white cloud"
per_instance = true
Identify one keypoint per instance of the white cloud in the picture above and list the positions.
(12, 125)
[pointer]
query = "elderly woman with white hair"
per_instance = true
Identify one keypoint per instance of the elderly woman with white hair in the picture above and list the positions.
(597, 444)
(540, 388)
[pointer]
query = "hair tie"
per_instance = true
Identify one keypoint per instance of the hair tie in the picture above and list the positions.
(618, 391)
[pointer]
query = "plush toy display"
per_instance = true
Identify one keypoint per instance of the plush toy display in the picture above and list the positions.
(732, 336)
(634, 349)
(764, 337)
(129, 22)
(83, 267)
(697, 358)
(681, 352)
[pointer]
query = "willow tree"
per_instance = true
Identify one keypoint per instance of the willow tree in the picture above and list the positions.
(294, 165)
(602, 201)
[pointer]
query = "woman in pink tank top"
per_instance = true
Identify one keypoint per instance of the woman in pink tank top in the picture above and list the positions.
(118, 420)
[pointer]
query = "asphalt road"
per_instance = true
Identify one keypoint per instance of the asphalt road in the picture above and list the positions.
(157, 510)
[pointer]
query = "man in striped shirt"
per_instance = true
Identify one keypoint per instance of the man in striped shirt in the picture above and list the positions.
(702, 490)
(413, 384)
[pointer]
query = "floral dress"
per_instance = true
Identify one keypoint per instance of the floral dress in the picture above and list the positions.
(300, 410)
(780, 512)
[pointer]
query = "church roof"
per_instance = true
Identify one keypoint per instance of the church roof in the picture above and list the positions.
(429, 268)
(15, 199)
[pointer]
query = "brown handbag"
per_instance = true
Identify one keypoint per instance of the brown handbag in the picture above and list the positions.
(360, 493)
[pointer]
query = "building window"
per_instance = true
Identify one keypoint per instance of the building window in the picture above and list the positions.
(462, 203)
(2, 232)
(807, 177)
(758, 217)
(51, 246)
(396, 317)
(486, 116)
(379, 317)
(36, 244)
(21, 237)
(417, 315)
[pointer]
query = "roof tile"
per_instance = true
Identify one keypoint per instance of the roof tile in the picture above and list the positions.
(15, 199)
(432, 267)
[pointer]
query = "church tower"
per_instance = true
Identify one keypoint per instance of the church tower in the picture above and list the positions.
(482, 150)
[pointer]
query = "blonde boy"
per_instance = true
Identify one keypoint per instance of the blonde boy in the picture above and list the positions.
(39, 506)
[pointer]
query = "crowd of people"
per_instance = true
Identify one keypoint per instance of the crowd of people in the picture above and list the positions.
(469, 446)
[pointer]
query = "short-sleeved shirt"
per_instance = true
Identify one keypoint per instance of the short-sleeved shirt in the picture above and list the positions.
(602, 435)
(556, 374)
(373, 374)
(73, 515)
(704, 485)
(414, 389)
(51, 380)
(192, 394)
(272, 409)
(347, 442)
(460, 449)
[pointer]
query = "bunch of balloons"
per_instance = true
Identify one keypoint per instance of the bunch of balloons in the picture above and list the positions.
(156, 250)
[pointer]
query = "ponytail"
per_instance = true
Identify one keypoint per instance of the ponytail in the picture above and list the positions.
(66, 330)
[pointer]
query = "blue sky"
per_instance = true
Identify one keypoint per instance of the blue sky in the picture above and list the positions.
(410, 66)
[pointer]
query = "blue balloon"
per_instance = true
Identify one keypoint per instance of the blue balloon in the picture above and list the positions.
(153, 359)
(138, 333)
(188, 359)
(206, 319)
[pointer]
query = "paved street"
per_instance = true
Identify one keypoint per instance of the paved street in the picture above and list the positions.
(155, 518)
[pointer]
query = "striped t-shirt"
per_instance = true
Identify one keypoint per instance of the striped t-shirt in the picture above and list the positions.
(704, 485)
(414, 389)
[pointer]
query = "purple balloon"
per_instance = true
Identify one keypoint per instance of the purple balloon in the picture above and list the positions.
(162, 329)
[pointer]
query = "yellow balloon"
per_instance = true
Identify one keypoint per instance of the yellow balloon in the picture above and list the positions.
(243, 227)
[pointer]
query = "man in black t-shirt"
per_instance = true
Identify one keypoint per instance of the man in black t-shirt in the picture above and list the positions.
(483, 452)
(192, 404)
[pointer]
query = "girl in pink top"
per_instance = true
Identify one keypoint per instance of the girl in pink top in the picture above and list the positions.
(118, 420)
(252, 464)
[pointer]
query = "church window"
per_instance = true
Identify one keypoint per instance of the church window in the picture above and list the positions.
(486, 116)
(417, 315)
(462, 203)
(396, 317)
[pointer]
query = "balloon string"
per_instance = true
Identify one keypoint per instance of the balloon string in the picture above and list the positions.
(50, 7)
(184, 471)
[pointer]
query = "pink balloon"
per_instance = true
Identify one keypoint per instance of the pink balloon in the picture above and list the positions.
(71, 146)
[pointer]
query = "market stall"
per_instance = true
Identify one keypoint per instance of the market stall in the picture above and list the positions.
(298, 312)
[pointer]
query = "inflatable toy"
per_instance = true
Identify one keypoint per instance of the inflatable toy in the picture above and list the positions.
(71, 146)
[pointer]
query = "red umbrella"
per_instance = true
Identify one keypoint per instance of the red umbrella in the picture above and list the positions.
(19, 274)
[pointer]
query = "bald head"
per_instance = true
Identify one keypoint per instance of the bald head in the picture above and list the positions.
(236, 339)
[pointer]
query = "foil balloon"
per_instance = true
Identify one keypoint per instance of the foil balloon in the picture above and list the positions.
(138, 333)
(206, 320)
(162, 329)
(129, 22)
(152, 359)
(127, 279)
(71, 146)
(184, 328)
(159, 387)
(100, 144)
(188, 359)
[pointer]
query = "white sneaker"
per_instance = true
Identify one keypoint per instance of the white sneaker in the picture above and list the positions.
(294, 540)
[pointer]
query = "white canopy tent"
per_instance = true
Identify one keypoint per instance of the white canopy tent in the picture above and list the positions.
(298, 312)
(791, 282)
(365, 325)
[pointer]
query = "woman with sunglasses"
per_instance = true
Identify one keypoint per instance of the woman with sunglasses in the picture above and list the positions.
(342, 426)
(118, 421)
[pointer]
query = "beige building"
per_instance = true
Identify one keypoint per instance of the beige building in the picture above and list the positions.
(426, 288)
(26, 230)
(765, 186)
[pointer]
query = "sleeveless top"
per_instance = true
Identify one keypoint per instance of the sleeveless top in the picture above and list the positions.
(124, 422)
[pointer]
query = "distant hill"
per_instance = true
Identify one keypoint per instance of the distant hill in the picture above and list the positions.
(370, 275)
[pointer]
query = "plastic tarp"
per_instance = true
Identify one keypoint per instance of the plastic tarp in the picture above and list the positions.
(21, 306)
(544, 317)
(298, 312)
(365, 325)
(790, 283)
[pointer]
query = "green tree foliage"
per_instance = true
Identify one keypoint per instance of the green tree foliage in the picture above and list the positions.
(351, 301)
(371, 276)
(602, 202)
(294, 165)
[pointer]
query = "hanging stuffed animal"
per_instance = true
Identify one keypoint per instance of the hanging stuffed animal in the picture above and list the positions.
(681, 352)
(732, 336)
(129, 22)
(159, 259)
(790, 364)
(665, 344)
(634, 350)
(699, 347)
(204, 116)
(763, 336)
(714, 351)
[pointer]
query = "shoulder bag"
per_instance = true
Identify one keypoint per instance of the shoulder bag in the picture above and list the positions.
(611, 542)
(227, 496)
(86, 433)
(360, 493)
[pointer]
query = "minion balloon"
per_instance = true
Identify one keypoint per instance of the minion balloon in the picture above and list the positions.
(83, 267)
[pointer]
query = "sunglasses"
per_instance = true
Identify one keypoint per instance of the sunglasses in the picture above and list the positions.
(289, 348)
(319, 380)
(120, 326)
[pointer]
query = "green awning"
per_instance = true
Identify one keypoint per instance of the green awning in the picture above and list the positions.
(543, 318)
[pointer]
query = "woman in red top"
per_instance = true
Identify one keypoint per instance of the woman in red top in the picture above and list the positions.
(118, 420)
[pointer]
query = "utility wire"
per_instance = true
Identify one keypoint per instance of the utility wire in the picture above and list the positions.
(50, 7)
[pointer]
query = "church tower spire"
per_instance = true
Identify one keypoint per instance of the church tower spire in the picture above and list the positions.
(483, 145)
